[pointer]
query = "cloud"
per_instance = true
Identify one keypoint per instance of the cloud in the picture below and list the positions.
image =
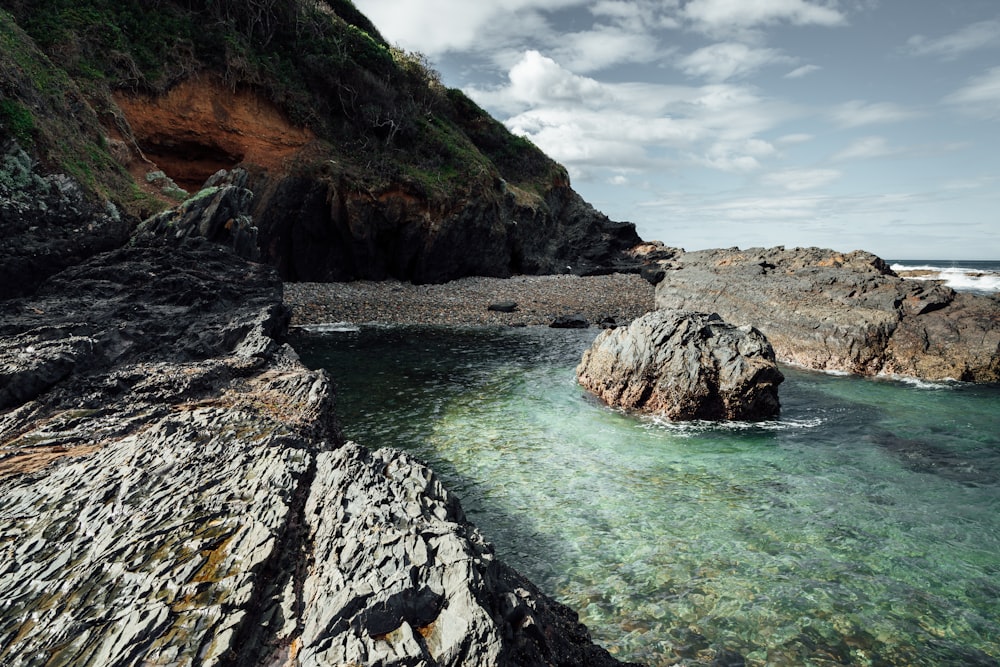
(587, 124)
(728, 60)
(800, 72)
(637, 14)
(981, 35)
(538, 79)
(435, 27)
(797, 180)
(797, 138)
(858, 112)
(605, 46)
(980, 96)
(866, 148)
(729, 15)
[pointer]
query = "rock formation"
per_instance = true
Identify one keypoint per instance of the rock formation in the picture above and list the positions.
(321, 229)
(684, 366)
(844, 312)
(219, 212)
(47, 222)
(176, 490)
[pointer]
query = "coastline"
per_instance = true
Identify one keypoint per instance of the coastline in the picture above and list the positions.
(540, 300)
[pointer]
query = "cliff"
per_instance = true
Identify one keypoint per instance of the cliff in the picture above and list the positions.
(362, 164)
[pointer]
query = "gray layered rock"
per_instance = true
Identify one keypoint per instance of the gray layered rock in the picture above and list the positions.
(684, 366)
(176, 491)
(219, 212)
(47, 223)
(844, 312)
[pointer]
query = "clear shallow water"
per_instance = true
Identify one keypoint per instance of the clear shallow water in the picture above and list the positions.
(863, 527)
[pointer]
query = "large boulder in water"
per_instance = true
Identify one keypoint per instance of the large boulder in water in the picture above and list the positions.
(684, 365)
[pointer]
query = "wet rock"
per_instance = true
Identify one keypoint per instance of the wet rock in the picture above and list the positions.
(844, 312)
(570, 322)
(219, 212)
(684, 366)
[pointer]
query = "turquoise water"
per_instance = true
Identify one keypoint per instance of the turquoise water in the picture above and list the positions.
(863, 527)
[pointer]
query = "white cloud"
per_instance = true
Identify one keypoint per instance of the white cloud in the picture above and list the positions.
(537, 79)
(980, 95)
(729, 15)
(797, 138)
(800, 72)
(981, 35)
(858, 112)
(866, 148)
(435, 27)
(728, 60)
(586, 123)
(605, 46)
(796, 180)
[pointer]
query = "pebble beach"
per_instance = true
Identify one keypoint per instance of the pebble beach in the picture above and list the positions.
(539, 300)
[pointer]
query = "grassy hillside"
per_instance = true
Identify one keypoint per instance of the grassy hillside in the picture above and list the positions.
(383, 112)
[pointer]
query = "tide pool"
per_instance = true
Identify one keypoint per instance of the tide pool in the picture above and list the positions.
(862, 527)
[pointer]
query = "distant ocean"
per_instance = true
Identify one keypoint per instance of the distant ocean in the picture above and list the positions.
(981, 277)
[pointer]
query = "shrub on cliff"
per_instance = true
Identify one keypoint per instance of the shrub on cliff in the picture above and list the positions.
(382, 110)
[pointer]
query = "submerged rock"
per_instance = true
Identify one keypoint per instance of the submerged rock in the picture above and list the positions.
(684, 365)
(844, 312)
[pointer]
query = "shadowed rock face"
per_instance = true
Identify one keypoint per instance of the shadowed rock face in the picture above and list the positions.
(845, 312)
(684, 366)
(176, 491)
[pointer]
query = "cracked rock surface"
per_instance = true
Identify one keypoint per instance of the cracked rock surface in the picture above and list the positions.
(176, 491)
(684, 366)
(841, 312)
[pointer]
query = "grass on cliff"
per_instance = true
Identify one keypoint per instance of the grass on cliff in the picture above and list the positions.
(47, 114)
(382, 110)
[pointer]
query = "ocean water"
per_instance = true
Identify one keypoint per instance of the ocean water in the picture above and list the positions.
(860, 528)
(981, 277)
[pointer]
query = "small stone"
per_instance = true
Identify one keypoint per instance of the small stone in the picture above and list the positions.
(503, 306)
(570, 322)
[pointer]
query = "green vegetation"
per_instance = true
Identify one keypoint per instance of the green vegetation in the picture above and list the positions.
(16, 119)
(382, 111)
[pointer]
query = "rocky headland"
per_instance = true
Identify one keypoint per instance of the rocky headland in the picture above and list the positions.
(846, 312)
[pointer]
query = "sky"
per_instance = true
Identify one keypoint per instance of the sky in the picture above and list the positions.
(844, 124)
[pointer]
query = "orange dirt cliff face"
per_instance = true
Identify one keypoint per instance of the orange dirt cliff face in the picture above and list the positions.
(201, 126)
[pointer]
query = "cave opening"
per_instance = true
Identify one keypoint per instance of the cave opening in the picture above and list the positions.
(189, 163)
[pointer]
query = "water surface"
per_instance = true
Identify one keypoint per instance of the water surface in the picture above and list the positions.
(862, 527)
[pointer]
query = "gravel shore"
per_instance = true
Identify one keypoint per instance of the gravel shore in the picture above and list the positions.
(539, 299)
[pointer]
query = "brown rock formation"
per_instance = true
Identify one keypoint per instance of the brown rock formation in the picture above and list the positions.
(201, 126)
(845, 312)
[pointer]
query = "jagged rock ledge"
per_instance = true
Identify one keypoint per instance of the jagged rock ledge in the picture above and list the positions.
(177, 491)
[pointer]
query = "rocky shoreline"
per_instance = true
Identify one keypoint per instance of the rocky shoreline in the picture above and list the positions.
(177, 491)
